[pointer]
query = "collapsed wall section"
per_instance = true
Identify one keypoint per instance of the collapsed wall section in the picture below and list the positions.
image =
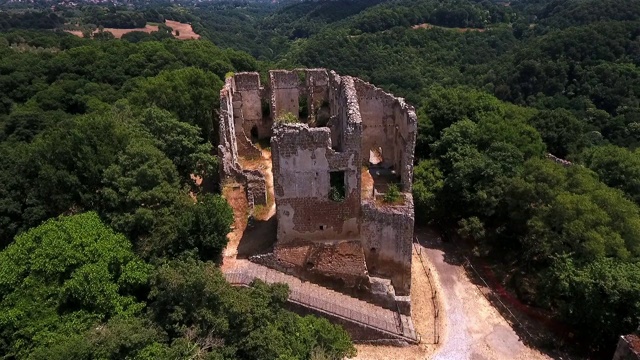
(233, 143)
(389, 125)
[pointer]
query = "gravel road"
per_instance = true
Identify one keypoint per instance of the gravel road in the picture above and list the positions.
(473, 328)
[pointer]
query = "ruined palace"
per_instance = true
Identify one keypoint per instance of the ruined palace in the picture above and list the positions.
(342, 154)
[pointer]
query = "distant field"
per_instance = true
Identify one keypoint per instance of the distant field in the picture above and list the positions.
(185, 30)
(430, 26)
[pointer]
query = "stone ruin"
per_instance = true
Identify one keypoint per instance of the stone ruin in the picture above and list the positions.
(628, 347)
(349, 142)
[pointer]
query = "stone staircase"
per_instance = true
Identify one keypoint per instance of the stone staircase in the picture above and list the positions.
(365, 321)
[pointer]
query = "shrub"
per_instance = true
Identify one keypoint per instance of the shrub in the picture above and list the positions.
(393, 194)
(287, 118)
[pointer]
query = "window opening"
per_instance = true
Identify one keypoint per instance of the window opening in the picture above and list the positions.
(337, 188)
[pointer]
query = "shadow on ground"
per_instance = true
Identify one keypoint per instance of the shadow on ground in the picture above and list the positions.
(258, 238)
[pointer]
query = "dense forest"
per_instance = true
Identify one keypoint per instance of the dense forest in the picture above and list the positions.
(98, 140)
(105, 252)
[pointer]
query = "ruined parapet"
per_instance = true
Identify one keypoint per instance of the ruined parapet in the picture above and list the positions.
(628, 348)
(387, 235)
(389, 126)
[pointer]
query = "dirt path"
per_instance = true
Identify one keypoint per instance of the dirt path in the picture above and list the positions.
(474, 328)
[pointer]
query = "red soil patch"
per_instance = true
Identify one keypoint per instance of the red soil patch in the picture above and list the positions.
(186, 31)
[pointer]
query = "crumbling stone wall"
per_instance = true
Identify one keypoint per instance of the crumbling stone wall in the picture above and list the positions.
(232, 116)
(285, 92)
(317, 236)
(228, 145)
(628, 348)
(390, 124)
(247, 101)
(387, 234)
(230, 136)
(303, 160)
(288, 88)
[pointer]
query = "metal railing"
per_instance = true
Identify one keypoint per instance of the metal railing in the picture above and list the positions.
(332, 308)
(434, 291)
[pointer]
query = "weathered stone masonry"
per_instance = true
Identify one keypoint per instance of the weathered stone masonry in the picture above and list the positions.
(233, 140)
(356, 238)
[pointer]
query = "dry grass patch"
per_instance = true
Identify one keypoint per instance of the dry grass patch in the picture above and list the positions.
(117, 33)
(181, 31)
(461, 30)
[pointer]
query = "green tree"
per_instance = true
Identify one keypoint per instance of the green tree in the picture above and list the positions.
(206, 225)
(560, 130)
(428, 182)
(61, 277)
(616, 167)
(189, 93)
(191, 297)
(181, 142)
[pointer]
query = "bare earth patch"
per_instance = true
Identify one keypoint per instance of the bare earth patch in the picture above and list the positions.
(185, 30)
(117, 33)
(241, 239)
(430, 26)
(237, 199)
